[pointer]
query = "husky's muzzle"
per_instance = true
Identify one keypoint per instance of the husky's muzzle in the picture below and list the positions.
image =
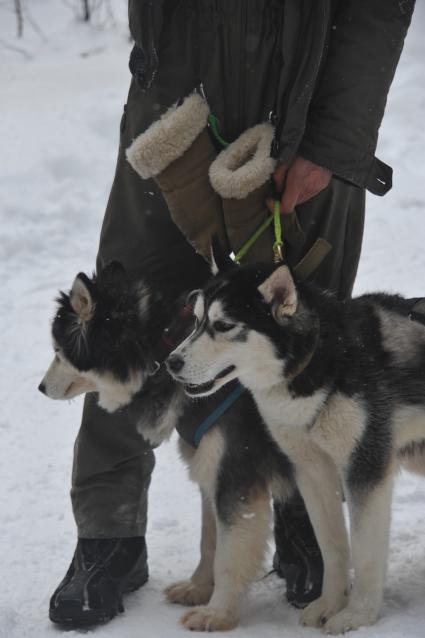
(175, 364)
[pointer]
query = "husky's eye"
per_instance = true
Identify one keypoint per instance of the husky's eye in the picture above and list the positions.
(222, 326)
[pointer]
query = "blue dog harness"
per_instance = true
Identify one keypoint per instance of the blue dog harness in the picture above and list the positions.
(218, 412)
(201, 415)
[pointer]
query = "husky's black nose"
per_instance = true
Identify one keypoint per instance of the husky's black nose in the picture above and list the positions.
(42, 388)
(175, 363)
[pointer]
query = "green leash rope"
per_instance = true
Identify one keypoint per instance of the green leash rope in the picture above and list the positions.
(275, 217)
(215, 129)
(251, 241)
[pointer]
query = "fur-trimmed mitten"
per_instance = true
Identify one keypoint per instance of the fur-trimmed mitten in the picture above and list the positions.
(241, 176)
(177, 152)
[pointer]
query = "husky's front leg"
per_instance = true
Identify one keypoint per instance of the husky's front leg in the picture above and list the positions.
(241, 546)
(198, 589)
(370, 514)
(319, 484)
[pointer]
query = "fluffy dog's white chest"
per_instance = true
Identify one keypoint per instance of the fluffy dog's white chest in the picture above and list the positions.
(280, 410)
(289, 418)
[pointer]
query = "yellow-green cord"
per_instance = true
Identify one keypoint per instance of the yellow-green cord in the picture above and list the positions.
(278, 243)
(251, 241)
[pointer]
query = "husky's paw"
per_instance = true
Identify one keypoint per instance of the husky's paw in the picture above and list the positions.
(349, 619)
(317, 612)
(185, 592)
(210, 619)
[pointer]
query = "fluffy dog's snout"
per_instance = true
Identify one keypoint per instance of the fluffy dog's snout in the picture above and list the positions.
(42, 387)
(175, 363)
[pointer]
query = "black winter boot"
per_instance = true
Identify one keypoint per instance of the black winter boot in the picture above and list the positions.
(101, 571)
(297, 559)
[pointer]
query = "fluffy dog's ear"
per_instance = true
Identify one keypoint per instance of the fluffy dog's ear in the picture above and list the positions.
(220, 260)
(81, 297)
(279, 291)
(114, 270)
(113, 278)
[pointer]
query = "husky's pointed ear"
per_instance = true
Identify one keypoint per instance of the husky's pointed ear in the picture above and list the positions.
(81, 297)
(220, 260)
(279, 291)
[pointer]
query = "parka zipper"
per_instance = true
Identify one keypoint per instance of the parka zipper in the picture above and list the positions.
(242, 67)
(282, 107)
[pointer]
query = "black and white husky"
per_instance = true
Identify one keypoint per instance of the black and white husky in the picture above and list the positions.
(341, 388)
(107, 337)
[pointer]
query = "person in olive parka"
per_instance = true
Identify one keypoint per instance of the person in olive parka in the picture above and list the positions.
(320, 71)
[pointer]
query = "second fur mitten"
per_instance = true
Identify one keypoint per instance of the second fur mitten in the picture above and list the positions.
(241, 176)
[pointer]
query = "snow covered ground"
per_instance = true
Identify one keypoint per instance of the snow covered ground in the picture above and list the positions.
(61, 99)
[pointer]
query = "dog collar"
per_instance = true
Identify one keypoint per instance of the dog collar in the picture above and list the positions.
(173, 335)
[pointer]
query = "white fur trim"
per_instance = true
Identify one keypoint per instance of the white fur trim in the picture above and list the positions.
(244, 165)
(167, 139)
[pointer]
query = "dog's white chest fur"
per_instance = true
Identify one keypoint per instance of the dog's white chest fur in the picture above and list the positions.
(335, 424)
(280, 409)
(287, 418)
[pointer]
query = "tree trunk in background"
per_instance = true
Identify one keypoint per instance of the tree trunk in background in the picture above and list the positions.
(86, 11)
(19, 17)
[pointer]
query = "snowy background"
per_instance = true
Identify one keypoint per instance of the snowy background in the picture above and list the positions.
(63, 86)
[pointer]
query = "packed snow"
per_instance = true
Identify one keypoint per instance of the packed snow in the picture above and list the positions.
(62, 90)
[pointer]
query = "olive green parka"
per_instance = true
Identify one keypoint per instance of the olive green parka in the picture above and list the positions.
(321, 68)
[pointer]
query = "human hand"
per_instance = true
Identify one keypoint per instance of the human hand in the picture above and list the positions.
(298, 182)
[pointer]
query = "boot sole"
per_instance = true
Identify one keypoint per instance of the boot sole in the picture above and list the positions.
(87, 619)
(92, 617)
